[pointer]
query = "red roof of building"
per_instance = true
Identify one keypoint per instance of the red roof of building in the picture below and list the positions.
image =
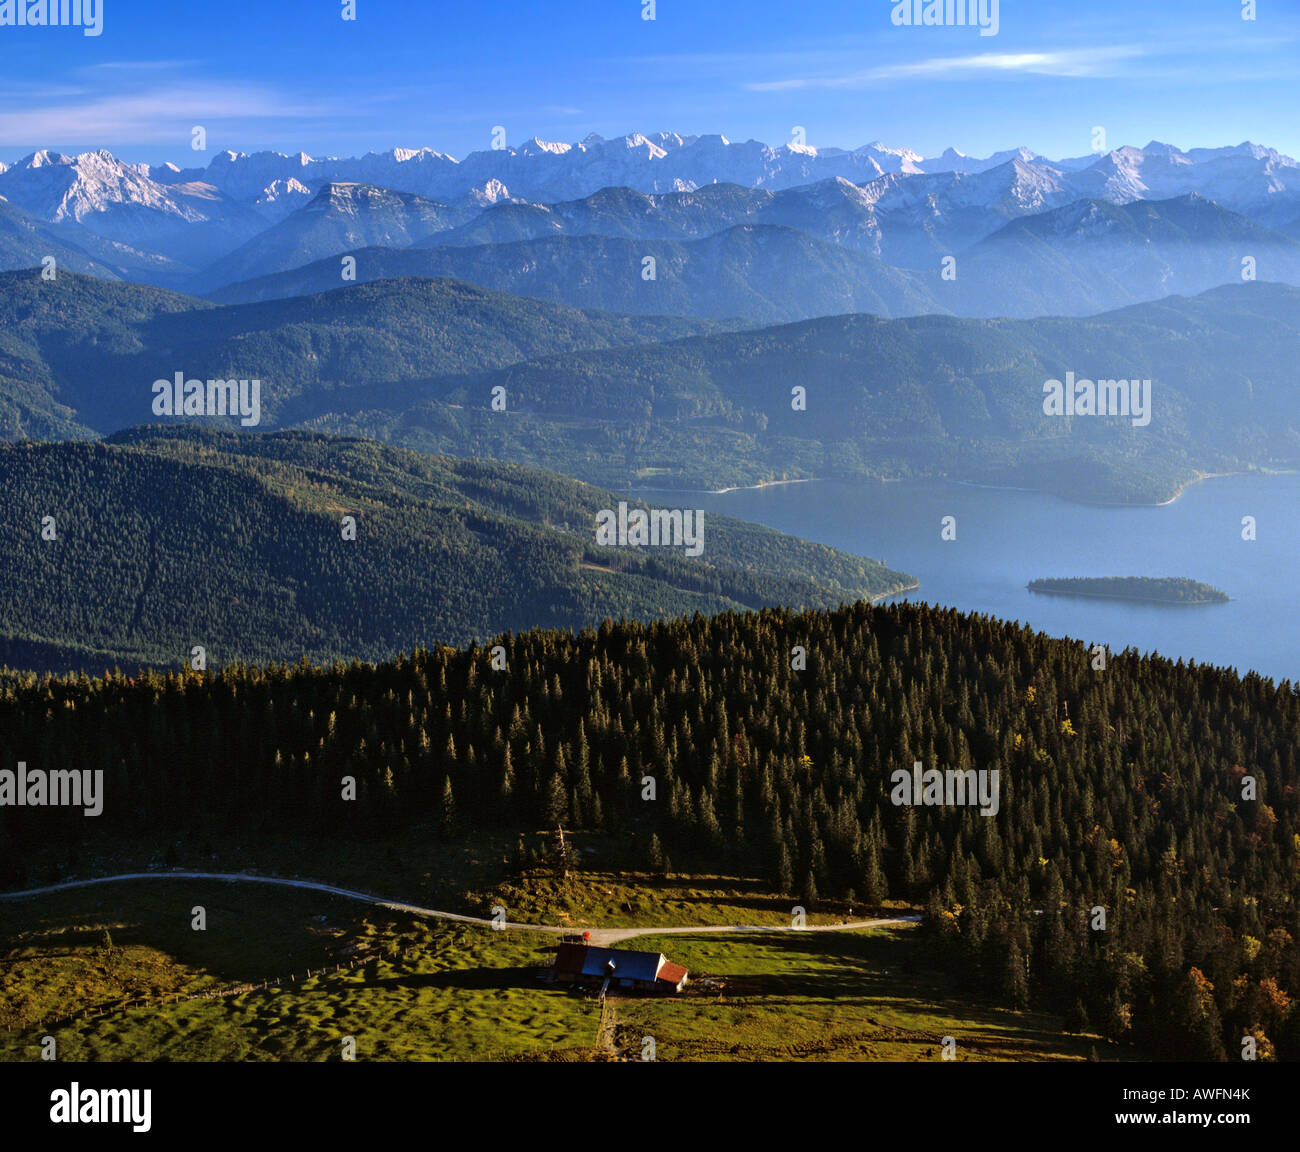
(673, 973)
(584, 960)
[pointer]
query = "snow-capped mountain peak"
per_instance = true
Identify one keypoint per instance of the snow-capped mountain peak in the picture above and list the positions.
(534, 147)
(488, 193)
(88, 187)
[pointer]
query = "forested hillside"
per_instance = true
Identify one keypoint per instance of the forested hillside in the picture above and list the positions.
(167, 540)
(79, 355)
(1162, 794)
(927, 396)
(608, 397)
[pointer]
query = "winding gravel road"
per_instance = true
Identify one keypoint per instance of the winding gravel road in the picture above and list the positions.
(600, 937)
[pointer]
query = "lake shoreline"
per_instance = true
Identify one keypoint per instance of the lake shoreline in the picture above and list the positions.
(889, 595)
(1182, 488)
(1009, 537)
(1128, 599)
(723, 491)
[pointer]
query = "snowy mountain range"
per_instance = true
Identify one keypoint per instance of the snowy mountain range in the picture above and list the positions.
(246, 216)
(54, 185)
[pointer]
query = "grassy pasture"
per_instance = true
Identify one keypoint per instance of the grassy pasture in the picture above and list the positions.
(856, 995)
(421, 989)
(428, 990)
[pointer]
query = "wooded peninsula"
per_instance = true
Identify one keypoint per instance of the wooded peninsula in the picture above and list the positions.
(1164, 590)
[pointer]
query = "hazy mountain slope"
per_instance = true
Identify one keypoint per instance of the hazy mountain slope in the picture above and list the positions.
(765, 274)
(1086, 257)
(924, 218)
(25, 242)
(97, 348)
(926, 396)
(59, 341)
(833, 210)
(340, 217)
(1093, 256)
(607, 397)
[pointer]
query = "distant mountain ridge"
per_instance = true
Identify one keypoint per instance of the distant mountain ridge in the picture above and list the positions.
(665, 162)
(338, 218)
(1086, 257)
(245, 217)
(55, 187)
(765, 274)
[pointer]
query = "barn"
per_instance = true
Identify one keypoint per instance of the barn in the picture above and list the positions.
(623, 969)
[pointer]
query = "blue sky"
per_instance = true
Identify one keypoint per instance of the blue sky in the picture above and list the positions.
(291, 75)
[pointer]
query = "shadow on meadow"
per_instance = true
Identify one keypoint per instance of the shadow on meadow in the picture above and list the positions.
(470, 979)
(877, 974)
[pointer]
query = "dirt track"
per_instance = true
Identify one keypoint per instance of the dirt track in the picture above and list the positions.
(600, 937)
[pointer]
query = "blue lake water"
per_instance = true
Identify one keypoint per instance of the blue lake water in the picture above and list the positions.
(1007, 538)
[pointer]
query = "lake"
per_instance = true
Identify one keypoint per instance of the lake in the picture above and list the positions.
(1005, 538)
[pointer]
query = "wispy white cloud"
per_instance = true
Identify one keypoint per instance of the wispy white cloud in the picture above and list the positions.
(1070, 62)
(164, 114)
(139, 65)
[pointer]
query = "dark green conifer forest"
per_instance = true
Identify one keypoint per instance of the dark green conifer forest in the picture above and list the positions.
(1153, 797)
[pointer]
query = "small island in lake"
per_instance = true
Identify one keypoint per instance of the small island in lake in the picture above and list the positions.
(1164, 590)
